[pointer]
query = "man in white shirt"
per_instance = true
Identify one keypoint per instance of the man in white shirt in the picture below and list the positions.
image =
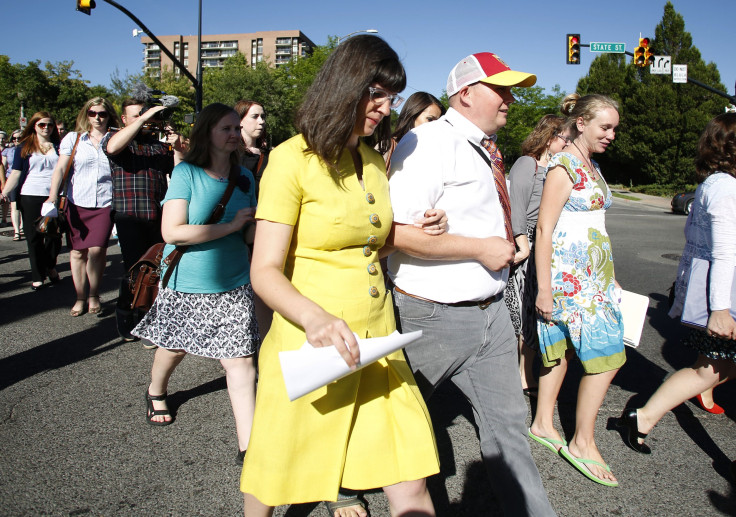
(451, 286)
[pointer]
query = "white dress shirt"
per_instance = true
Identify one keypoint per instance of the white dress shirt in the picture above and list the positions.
(434, 166)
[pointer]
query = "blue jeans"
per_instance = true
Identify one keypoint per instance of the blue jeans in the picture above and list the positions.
(476, 349)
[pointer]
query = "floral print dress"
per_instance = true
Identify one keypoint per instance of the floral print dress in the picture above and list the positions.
(585, 315)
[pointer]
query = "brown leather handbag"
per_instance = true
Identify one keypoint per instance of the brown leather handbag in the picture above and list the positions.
(144, 276)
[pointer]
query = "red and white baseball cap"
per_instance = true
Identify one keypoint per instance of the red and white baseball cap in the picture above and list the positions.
(488, 68)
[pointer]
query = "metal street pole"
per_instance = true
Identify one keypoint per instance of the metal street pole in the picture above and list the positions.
(195, 82)
(198, 86)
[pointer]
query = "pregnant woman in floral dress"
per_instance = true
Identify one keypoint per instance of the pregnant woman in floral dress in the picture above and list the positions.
(576, 302)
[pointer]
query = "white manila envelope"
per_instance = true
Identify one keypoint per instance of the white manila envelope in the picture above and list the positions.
(310, 368)
(633, 308)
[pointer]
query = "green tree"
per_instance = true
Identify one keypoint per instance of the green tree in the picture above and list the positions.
(57, 88)
(266, 85)
(524, 114)
(660, 121)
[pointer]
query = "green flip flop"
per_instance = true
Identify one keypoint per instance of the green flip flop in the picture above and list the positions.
(582, 465)
(550, 443)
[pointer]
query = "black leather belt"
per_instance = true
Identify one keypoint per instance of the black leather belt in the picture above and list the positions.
(482, 304)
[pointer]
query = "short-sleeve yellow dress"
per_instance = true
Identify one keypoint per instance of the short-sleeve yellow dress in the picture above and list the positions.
(369, 429)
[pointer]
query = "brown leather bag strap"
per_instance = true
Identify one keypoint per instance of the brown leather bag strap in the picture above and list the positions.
(65, 179)
(172, 259)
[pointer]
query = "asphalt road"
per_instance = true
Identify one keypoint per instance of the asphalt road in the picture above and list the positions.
(73, 440)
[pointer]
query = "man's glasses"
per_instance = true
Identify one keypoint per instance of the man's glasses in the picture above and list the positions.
(44, 125)
(565, 139)
(380, 96)
(93, 114)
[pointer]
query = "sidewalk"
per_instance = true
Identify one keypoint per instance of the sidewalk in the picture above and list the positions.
(654, 201)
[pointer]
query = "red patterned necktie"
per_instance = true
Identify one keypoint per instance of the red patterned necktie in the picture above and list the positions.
(500, 177)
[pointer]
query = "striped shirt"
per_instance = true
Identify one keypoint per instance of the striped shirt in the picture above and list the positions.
(90, 184)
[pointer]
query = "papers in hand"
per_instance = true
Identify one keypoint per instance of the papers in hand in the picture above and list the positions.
(48, 209)
(633, 308)
(310, 368)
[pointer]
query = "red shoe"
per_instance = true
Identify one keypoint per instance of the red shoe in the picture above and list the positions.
(715, 409)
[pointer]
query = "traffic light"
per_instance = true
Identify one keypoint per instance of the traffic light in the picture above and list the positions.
(642, 56)
(573, 49)
(86, 6)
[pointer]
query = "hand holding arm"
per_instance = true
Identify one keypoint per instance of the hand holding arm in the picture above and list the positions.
(434, 222)
(495, 253)
(522, 242)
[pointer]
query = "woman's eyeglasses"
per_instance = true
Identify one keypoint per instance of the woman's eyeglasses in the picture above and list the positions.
(380, 96)
(44, 125)
(93, 114)
(565, 139)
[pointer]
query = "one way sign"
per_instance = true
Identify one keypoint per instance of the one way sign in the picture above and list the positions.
(661, 65)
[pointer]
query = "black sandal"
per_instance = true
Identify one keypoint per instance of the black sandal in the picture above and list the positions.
(151, 412)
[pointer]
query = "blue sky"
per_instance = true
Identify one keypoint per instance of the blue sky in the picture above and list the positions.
(429, 36)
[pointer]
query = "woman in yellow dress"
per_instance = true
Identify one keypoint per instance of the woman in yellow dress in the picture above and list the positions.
(323, 215)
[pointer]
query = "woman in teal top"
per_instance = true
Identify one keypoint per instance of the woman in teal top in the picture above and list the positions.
(207, 307)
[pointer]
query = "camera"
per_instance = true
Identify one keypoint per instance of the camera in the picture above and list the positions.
(150, 98)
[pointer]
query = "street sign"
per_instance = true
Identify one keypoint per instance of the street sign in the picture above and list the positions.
(679, 73)
(661, 65)
(615, 48)
(22, 122)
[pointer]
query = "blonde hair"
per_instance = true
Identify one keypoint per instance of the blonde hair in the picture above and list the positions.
(82, 123)
(588, 107)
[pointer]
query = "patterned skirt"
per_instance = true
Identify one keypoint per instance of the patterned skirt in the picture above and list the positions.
(521, 293)
(712, 347)
(215, 325)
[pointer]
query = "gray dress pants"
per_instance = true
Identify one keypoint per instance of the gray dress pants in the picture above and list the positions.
(476, 349)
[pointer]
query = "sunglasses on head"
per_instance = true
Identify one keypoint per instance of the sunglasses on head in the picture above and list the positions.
(44, 125)
(101, 114)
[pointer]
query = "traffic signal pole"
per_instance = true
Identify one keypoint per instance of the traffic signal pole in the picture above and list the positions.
(731, 98)
(196, 81)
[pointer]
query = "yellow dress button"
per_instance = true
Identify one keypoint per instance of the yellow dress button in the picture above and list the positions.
(372, 239)
(370, 198)
(372, 269)
(373, 291)
(374, 218)
(367, 251)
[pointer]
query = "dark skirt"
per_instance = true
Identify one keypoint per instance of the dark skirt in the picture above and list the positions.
(89, 227)
(712, 347)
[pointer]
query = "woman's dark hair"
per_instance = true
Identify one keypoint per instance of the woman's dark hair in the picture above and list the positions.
(327, 116)
(539, 139)
(242, 107)
(574, 106)
(413, 107)
(28, 138)
(199, 139)
(717, 147)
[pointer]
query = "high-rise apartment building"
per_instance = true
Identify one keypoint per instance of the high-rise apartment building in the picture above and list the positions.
(273, 47)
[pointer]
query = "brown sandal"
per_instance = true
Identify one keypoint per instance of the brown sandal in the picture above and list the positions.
(95, 310)
(74, 313)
